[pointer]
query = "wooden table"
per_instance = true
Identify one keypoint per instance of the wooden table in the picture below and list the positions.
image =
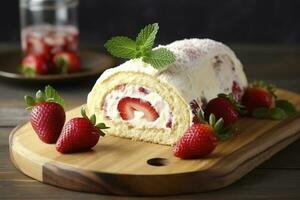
(278, 178)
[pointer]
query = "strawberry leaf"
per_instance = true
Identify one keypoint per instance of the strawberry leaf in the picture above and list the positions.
(62, 65)
(52, 95)
(40, 96)
(30, 102)
(260, 113)
(201, 116)
(27, 71)
(224, 134)
(83, 113)
(93, 119)
(212, 120)
(101, 126)
(287, 106)
(218, 125)
(277, 113)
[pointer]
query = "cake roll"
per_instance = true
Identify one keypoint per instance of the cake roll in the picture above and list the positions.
(140, 102)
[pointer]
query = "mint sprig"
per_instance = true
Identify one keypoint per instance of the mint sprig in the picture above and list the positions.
(124, 47)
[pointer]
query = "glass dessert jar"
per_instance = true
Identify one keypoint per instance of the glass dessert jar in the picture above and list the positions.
(49, 26)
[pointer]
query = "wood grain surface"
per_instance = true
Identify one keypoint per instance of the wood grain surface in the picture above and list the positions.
(121, 166)
(278, 178)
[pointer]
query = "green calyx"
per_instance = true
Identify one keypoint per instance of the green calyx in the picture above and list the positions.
(62, 65)
(48, 95)
(223, 133)
(282, 109)
(93, 120)
(141, 47)
(239, 107)
(26, 71)
(262, 84)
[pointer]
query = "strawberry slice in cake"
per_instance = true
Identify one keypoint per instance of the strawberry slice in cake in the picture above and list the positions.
(141, 102)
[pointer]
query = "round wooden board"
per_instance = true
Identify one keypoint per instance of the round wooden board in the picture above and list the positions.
(124, 167)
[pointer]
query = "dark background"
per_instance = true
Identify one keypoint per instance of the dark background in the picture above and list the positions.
(233, 21)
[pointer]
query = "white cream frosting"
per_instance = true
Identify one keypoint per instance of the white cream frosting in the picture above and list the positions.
(192, 69)
(203, 69)
(139, 121)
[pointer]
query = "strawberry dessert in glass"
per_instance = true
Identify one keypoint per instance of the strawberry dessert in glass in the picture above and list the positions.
(49, 37)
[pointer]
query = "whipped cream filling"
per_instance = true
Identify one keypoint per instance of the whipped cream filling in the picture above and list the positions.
(110, 107)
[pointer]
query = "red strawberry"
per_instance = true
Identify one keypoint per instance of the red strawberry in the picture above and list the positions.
(47, 115)
(66, 62)
(200, 139)
(257, 95)
(34, 64)
(128, 105)
(223, 106)
(79, 134)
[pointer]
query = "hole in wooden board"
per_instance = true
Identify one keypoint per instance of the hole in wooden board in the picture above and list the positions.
(158, 162)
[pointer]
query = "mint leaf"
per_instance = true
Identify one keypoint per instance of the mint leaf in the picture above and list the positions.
(277, 113)
(287, 106)
(260, 113)
(159, 58)
(122, 47)
(146, 37)
(52, 95)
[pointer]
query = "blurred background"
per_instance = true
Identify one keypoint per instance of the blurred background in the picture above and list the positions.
(230, 21)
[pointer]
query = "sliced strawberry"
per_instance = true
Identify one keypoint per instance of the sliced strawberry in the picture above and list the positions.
(128, 105)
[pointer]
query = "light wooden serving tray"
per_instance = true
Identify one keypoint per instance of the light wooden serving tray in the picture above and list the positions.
(124, 167)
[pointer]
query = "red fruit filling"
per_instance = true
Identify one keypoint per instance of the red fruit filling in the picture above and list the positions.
(195, 109)
(236, 91)
(128, 105)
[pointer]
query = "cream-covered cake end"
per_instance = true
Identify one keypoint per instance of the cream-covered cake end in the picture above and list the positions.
(141, 102)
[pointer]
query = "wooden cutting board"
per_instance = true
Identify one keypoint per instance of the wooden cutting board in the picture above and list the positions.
(124, 167)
